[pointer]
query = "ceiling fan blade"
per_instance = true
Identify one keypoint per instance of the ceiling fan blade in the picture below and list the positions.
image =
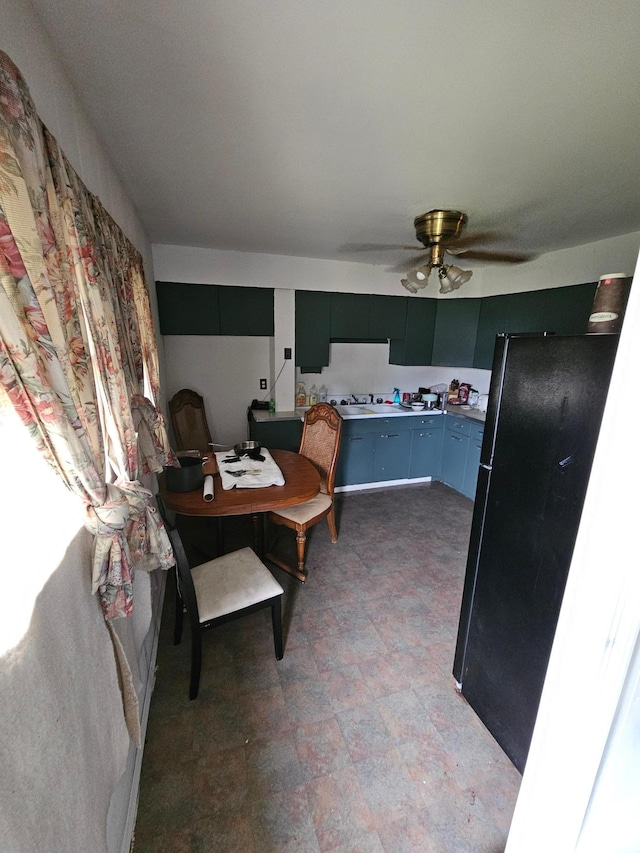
(372, 247)
(478, 238)
(410, 263)
(495, 257)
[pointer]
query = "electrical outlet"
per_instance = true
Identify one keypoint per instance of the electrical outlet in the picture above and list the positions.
(287, 353)
(263, 384)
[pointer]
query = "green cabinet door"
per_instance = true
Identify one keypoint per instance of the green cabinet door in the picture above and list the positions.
(416, 346)
(350, 316)
(387, 316)
(188, 309)
(279, 435)
(246, 311)
(567, 309)
(455, 333)
(313, 316)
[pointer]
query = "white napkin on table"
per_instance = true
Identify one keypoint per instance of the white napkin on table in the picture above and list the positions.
(256, 474)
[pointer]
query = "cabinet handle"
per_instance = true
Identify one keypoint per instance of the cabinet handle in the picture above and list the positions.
(455, 438)
(355, 438)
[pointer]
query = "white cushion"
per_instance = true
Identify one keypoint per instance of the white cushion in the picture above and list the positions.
(231, 582)
(301, 513)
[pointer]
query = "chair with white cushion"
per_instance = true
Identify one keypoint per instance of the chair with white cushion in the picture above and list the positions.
(219, 591)
(320, 444)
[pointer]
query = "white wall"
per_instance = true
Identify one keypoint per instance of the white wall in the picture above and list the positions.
(26, 43)
(357, 368)
(225, 371)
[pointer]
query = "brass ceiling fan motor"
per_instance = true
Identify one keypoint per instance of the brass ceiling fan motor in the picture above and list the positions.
(436, 229)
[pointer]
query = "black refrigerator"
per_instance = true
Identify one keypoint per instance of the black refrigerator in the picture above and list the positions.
(545, 407)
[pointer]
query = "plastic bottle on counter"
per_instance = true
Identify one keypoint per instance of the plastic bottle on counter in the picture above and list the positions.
(313, 395)
(322, 394)
(396, 395)
(301, 395)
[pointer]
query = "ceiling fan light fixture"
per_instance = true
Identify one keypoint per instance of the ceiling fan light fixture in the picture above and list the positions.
(452, 277)
(416, 279)
(409, 285)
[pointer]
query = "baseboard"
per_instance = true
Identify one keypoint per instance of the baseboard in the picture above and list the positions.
(382, 484)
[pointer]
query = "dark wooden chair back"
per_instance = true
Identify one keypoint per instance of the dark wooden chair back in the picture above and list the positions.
(189, 421)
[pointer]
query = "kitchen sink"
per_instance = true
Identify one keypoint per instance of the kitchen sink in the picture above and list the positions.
(350, 410)
(382, 408)
(372, 409)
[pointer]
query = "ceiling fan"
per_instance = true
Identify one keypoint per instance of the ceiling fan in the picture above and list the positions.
(440, 232)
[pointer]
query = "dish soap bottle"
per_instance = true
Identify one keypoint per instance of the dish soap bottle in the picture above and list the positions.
(301, 395)
(322, 394)
(313, 395)
(396, 395)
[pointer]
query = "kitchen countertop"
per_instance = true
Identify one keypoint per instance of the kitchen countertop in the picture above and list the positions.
(385, 410)
(466, 412)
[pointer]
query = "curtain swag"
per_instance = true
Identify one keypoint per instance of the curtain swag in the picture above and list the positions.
(76, 345)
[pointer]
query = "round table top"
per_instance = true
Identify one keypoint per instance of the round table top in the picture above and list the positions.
(301, 483)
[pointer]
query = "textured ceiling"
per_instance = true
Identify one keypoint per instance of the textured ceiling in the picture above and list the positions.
(296, 127)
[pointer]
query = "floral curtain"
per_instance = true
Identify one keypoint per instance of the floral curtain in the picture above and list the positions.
(76, 344)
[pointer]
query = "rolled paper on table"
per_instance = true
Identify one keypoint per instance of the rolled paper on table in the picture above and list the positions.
(207, 492)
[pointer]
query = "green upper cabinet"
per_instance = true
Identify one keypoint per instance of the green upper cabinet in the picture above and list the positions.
(491, 321)
(246, 311)
(416, 345)
(387, 316)
(364, 317)
(567, 309)
(525, 312)
(188, 309)
(456, 328)
(350, 316)
(563, 310)
(210, 309)
(313, 318)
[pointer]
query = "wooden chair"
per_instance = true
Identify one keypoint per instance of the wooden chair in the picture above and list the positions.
(320, 444)
(189, 422)
(220, 591)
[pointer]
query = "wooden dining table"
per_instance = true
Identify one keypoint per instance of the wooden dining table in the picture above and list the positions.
(301, 483)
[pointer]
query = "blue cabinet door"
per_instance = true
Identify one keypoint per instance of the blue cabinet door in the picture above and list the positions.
(391, 455)
(426, 446)
(355, 461)
(454, 459)
(471, 469)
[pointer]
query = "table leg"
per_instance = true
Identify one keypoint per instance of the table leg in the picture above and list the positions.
(220, 535)
(259, 533)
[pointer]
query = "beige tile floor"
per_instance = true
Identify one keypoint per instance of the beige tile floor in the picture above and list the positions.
(357, 740)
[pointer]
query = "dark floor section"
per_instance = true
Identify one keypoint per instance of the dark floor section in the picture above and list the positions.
(357, 740)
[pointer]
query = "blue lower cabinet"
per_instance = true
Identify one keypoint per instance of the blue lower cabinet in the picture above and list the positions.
(391, 455)
(473, 461)
(356, 457)
(426, 446)
(426, 449)
(454, 459)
